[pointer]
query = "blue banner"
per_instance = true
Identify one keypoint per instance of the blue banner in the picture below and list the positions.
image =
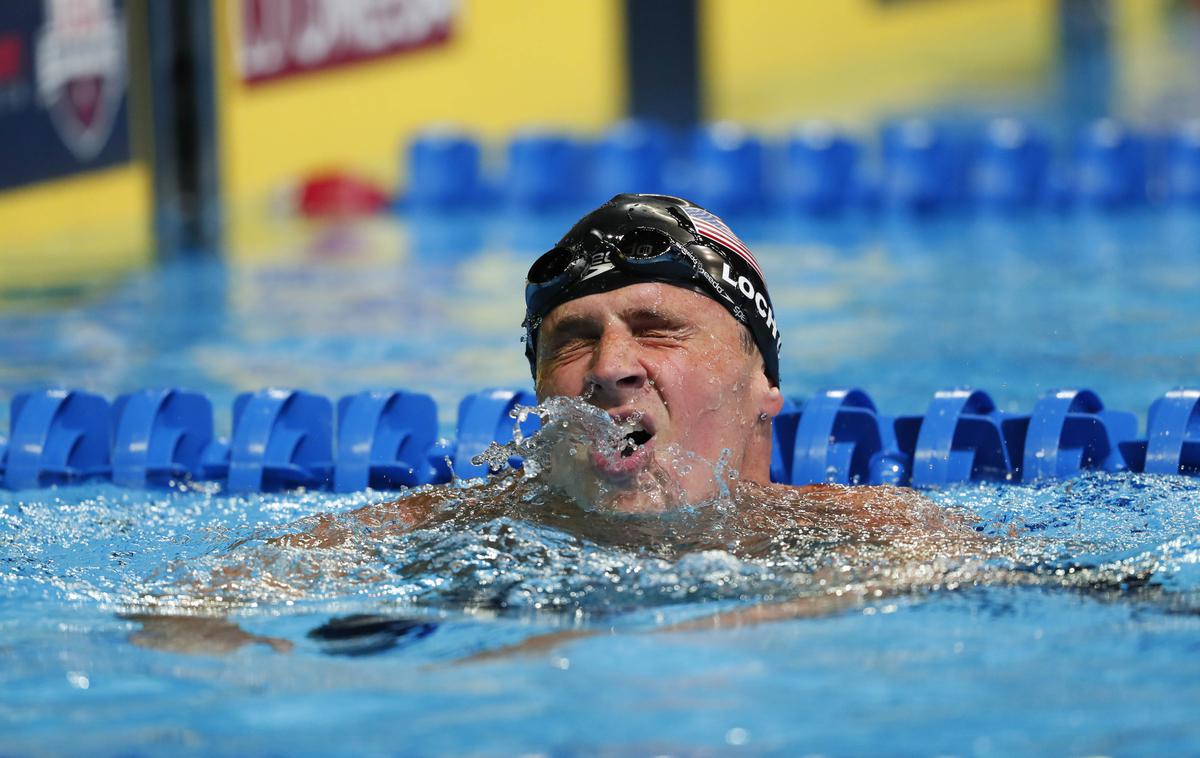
(63, 83)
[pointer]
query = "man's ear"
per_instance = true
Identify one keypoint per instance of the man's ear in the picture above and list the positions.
(772, 401)
(770, 398)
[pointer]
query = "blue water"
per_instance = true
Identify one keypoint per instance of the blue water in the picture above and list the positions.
(1012, 305)
(1013, 657)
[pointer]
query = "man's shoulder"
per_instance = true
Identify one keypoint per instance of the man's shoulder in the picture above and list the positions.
(875, 511)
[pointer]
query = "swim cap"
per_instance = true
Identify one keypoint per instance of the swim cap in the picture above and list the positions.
(653, 238)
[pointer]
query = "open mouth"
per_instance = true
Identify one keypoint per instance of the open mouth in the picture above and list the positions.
(633, 454)
(634, 440)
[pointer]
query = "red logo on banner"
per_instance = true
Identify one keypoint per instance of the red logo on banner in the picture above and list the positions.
(286, 37)
(81, 71)
(10, 57)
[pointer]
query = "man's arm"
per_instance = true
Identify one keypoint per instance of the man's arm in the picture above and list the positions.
(197, 635)
(214, 634)
(378, 519)
(880, 514)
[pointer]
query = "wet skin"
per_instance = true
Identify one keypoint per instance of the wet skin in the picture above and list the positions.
(674, 358)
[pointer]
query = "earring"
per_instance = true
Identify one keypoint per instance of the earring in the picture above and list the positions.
(764, 416)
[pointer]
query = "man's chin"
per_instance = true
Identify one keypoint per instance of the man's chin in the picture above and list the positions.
(637, 500)
(624, 484)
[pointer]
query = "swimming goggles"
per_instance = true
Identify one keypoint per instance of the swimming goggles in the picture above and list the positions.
(643, 254)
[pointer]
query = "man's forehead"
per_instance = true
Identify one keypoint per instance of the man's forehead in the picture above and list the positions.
(635, 300)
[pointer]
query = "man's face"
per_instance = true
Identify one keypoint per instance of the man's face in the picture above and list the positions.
(676, 358)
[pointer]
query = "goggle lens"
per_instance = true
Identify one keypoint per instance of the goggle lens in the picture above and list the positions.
(647, 251)
(644, 244)
(553, 264)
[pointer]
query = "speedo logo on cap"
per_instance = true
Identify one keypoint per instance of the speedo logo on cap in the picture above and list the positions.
(597, 264)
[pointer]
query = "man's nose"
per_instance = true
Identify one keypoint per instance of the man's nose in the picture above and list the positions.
(616, 368)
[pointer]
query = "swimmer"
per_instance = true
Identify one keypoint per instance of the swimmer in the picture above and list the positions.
(652, 310)
(653, 316)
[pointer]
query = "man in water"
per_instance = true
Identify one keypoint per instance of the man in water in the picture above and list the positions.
(653, 342)
(652, 310)
(654, 316)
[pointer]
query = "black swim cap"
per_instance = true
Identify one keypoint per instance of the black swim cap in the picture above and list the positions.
(653, 238)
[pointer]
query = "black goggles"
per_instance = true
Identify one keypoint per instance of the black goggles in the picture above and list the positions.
(644, 253)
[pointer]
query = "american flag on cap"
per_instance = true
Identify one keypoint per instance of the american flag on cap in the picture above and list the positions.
(712, 228)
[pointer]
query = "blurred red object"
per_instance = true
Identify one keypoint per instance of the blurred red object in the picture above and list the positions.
(339, 195)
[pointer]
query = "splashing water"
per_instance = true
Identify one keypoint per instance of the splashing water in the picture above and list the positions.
(574, 432)
(574, 435)
(514, 544)
(535, 540)
(519, 543)
(567, 423)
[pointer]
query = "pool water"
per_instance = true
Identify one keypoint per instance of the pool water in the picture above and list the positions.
(1076, 631)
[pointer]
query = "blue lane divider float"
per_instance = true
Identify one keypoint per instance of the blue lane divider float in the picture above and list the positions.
(484, 417)
(1110, 166)
(1172, 443)
(1070, 431)
(285, 438)
(1182, 172)
(820, 170)
(926, 166)
(837, 439)
(57, 437)
(160, 435)
(1009, 166)
(281, 438)
(631, 154)
(783, 435)
(546, 170)
(383, 440)
(444, 172)
(921, 166)
(962, 438)
(728, 168)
